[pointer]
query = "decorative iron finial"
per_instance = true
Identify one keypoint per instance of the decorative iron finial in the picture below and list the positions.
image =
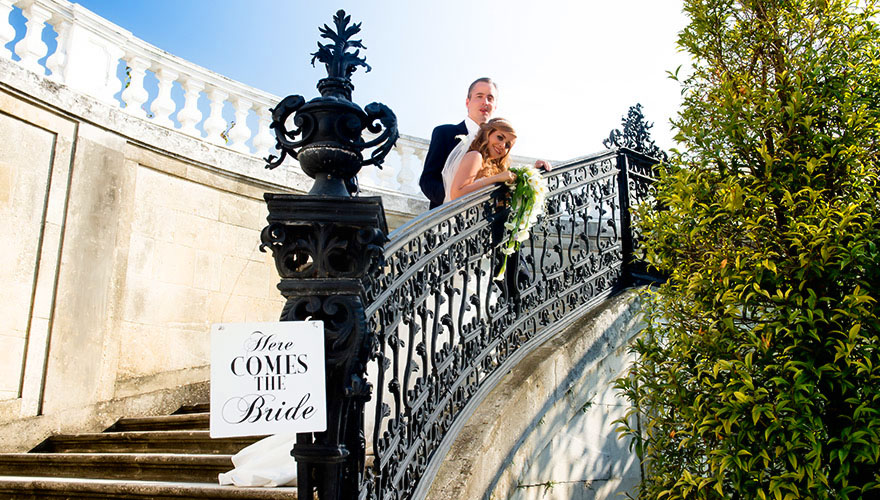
(339, 62)
(636, 134)
(327, 136)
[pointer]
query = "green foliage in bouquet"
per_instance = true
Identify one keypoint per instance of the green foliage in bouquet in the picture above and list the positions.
(758, 374)
(527, 199)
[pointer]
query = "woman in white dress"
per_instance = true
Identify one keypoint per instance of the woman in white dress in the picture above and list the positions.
(484, 161)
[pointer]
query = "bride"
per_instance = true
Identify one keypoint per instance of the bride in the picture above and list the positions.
(484, 161)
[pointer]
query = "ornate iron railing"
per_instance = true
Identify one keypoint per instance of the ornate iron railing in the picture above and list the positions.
(417, 330)
(442, 331)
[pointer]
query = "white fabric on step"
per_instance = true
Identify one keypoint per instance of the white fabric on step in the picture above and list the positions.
(265, 463)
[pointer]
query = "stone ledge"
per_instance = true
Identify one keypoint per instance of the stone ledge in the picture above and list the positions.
(63, 101)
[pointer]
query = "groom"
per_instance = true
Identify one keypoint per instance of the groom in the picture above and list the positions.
(480, 105)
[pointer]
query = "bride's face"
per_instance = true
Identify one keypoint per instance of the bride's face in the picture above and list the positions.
(500, 143)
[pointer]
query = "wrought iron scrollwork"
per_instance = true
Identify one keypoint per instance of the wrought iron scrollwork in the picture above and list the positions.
(442, 326)
(640, 188)
(322, 249)
(312, 238)
(286, 140)
(383, 144)
(418, 322)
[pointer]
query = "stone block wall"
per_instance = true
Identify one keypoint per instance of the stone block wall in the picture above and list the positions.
(121, 242)
(547, 430)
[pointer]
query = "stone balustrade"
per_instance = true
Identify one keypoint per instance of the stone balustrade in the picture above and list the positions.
(98, 58)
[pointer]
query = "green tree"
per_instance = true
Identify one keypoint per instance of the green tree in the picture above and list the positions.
(758, 374)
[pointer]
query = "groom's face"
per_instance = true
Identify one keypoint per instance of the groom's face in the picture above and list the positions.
(481, 102)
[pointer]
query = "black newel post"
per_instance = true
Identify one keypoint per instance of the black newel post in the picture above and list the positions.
(637, 158)
(634, 184)
(324, 243)
(627, 241)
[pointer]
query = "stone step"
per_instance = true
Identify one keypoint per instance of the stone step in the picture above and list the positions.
(198, 442)
(196, 408)
(176, 422)
(32, 488)
(142, 466)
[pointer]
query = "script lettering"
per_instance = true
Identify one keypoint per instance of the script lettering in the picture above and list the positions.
(255, 407)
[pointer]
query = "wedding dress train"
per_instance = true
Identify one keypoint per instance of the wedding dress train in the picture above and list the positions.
(265, 463)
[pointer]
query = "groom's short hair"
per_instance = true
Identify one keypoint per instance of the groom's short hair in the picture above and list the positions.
(484, 79)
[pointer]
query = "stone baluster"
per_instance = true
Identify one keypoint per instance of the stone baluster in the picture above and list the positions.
(420, 153)
(405, 176)
(163, 105)
(190, 115)
(7, 32)
(135, 95)
(32, 47)
(385, 177)
(367, 176)
(57, 62)
(240, 133)
(264, 138)
(215, 124)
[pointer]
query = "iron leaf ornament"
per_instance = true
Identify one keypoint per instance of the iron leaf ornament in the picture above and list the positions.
(636, 134)
(340, 63)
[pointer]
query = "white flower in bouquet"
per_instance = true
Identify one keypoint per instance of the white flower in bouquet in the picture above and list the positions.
(526, 205)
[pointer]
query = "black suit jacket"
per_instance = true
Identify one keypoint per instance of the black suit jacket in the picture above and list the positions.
(442, 142)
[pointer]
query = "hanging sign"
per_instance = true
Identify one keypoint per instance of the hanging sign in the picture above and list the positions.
(267, 378)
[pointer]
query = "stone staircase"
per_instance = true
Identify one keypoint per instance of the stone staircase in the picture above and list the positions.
(170, 456)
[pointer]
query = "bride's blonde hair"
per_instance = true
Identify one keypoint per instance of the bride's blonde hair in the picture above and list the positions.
(481, 145)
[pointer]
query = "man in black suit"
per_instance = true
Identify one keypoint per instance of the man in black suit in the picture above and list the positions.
(480, 104)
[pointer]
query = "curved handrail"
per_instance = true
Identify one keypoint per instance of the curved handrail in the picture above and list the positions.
(444, 332)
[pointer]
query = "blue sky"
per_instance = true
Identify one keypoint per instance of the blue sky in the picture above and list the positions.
(567, 70)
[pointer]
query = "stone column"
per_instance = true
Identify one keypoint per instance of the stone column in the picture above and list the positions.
(405, 177)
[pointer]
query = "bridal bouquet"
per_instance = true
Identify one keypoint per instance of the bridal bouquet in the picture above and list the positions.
(526, 204)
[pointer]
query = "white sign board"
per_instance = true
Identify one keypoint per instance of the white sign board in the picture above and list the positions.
(267, 378)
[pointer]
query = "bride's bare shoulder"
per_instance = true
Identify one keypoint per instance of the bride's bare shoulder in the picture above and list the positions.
(472, 157)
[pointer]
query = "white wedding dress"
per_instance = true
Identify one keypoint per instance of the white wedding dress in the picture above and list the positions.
(265, 463)
(453, 161)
